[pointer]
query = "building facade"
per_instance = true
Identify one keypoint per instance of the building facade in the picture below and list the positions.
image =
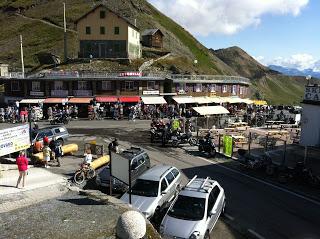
(310, 120)
(152, 38)
(203, 85)
(104, 34)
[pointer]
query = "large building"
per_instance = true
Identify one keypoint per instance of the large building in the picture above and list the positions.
(152, 38)
(103, 33)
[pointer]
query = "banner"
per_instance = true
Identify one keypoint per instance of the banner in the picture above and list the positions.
(14, 139)
(227, 145)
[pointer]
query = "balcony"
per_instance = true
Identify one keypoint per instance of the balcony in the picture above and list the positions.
(59, 93)
(82, 92)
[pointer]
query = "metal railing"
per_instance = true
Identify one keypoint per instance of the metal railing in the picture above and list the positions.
(209, 79)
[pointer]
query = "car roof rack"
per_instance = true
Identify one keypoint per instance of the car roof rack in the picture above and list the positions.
(198, 189)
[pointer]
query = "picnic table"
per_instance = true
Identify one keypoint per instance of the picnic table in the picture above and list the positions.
(272, 123)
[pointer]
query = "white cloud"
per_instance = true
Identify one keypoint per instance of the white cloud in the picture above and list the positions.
(297, 61)
(261, 59)
(204, 17)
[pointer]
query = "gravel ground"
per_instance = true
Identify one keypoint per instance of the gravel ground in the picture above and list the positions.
(69, 216)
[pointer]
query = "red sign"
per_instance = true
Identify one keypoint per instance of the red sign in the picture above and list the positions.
(122, 74)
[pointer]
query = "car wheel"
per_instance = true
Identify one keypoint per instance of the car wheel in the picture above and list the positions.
(207, 235)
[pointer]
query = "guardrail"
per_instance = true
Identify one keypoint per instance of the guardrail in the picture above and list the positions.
(175, 77)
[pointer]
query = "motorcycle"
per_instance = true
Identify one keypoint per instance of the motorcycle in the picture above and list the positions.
(60, 119)
(184, 138)
(155, 133)
(207, 146)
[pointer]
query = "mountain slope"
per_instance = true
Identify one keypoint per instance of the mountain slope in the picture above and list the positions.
(266, 83)
(40, 37)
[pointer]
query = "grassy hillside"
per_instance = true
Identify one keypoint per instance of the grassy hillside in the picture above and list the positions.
(40, 37)
(270, 85)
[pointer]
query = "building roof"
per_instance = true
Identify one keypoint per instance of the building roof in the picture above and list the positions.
(151, 32)
(105, 7)
(155, 173)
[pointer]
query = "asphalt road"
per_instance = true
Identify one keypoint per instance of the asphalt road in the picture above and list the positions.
(265, 210)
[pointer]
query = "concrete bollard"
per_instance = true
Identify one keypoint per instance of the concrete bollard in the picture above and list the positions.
(131, 225)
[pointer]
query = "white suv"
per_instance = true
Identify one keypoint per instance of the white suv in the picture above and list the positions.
(154, 189)
(195, 211)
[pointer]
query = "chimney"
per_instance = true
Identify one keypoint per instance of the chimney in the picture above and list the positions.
(135, 22)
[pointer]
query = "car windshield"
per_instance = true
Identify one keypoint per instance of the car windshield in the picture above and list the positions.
(188, 208)
(146, 188)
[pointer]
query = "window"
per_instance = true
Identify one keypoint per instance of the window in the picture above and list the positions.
(88, 30)
(82, 85)
(211, 201)
(129, 86)
(132, 33)
(15, 86)
(164, 185)
(35, 86)
(241, 90)
(106, 85)
(170, 177)
(58, 85)
(102, 31)
(151, 85)
(102, 14)
(224, 89)
(198, 87)
(116, 30)
(234, 89)
(216, 192)
(175, 172)
(213, 88)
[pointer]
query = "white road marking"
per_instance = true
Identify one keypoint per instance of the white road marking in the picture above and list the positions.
(257, 235)
(231, 218)
(263, 182)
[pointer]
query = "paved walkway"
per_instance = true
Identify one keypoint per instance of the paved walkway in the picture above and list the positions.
(40, 185)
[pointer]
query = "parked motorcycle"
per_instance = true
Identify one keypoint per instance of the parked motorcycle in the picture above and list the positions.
(206, 145)
(155, 133)
(182, 138)
(60, 119)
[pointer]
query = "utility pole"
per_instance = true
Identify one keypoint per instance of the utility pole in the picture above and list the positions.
(22, 62)
(65, 33)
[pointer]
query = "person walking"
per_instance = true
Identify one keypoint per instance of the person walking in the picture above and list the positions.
(58, 152)
(22, 163)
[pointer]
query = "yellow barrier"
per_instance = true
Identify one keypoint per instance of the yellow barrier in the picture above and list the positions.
(66, 149)
(100, 162)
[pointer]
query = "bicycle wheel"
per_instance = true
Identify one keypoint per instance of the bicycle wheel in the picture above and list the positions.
(79, 177)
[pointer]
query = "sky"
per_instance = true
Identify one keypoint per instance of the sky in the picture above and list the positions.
(280, 32)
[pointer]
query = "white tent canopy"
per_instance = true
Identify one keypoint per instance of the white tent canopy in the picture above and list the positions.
(184, 99)
(31, 101)
(211, 110)
(153, 100)
(236, 100)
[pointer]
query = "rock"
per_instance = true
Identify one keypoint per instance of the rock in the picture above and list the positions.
(131, 225)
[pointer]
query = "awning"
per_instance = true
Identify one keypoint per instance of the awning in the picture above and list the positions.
(76, 100)
(260, 102)
(106, 99)
(211, 110)
(203, 100)
(31, 101)
(129, 99)
(184, 99)
(153, 100)
(55, 100)
(235, 100)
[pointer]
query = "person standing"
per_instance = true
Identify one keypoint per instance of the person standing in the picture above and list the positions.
(58, 152)
(46, 155)
(37, 147)
(22, 163)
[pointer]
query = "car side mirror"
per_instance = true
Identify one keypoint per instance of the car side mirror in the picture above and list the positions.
(212, 213)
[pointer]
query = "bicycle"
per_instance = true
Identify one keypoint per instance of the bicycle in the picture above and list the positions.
(83, 173)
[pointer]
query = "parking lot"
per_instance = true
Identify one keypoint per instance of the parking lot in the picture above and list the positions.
(254, 207)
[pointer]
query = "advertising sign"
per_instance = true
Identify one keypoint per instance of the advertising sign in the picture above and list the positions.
(227, 145)
(14, 139)
(312, 93)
